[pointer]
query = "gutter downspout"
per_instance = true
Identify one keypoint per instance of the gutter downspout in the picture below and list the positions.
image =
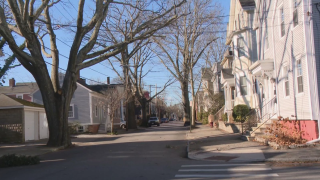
(313, 60)
(274, 58)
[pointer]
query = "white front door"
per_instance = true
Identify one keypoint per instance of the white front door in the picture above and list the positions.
(29, 125)
(43, 126)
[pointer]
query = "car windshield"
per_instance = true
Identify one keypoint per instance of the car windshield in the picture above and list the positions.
(164, 119)
(153, 118)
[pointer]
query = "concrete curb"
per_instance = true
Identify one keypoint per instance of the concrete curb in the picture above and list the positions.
(191, 155)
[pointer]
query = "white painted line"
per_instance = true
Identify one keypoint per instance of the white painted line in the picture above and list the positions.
(230, 169)
(53, 160)
(224, 175)
(219, 165)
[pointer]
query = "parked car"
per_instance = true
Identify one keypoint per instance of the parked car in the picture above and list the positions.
(123, 124)
(171, 119)
(153, 121)
(163, 120)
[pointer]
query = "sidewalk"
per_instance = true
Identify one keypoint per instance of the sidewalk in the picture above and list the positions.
(209, 144)
(33, 148)
(37, 148)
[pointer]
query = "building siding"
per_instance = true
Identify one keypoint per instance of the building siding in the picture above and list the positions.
(285, 51)
(316, 29)
(101, 104)
(37, 97)
(80, 100)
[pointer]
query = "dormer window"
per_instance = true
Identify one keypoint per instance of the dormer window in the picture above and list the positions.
(282, 27)
(295, 13)
(240, 44)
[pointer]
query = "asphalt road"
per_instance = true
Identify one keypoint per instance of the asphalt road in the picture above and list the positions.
(156, 153)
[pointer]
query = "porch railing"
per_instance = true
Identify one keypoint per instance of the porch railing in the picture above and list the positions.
(260, 115)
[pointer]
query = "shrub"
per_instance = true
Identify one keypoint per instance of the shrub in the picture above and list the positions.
(11, 160)
(225, 117)
(203, 117)
(240, 112)
(286, 132)
(73, 128)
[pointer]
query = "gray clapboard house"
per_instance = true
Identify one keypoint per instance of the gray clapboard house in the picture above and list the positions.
(88, 105)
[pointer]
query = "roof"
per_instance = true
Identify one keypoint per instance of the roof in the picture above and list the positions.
(227, 73)
(7, 101)
(206, 73)
(247, 3)
(100, 88)
(28, 87)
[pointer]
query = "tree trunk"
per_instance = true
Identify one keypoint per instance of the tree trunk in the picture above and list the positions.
(111, 128)
(143, 103)
(130, 113)
(56, 105)
(185, 101)
(193, 99)
(193, 112)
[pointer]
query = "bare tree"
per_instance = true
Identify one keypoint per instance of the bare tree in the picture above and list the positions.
(137, 72)
(113, 97)
(139, 60)
(33, 22)
(185, 43)
(8, 62)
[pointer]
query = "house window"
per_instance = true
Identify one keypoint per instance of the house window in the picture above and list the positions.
(232, 93)
(104, 111)
(239, 19)
(267, 39)
(299, 76)
(96, 111)
(286, 80)
(283, 31)
(243, 86)
(241, 47)
(19, 96)
(80, 128)
(230, 64)
(295, 13)
(71, 111)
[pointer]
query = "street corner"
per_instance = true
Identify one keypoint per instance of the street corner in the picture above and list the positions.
(233, 155)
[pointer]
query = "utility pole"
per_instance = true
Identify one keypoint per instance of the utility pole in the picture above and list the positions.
(157, 108)
(150, 101)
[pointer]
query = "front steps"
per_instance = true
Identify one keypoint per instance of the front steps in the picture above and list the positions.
(258, 131)
(102, 128)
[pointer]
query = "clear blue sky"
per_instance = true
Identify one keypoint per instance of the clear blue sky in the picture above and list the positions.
(68, 12)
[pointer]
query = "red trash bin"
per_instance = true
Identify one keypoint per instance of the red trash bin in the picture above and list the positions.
(211, 124)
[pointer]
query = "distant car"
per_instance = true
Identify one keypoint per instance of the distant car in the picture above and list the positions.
(153, 121)
(171, 119)
(123, 124)
(163, 120)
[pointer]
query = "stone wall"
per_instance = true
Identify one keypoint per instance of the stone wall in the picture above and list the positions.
(230, 127)
(11, 125)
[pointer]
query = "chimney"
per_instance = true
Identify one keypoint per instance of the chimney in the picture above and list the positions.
(108, 80)
(12, 82)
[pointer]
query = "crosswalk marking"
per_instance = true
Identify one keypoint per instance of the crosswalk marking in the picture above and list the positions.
(224, 175)
(230, 169)
(225, 171)
(219, 165)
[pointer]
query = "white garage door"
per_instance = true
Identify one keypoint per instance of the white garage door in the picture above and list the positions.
(29, 125)
(43, 126)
